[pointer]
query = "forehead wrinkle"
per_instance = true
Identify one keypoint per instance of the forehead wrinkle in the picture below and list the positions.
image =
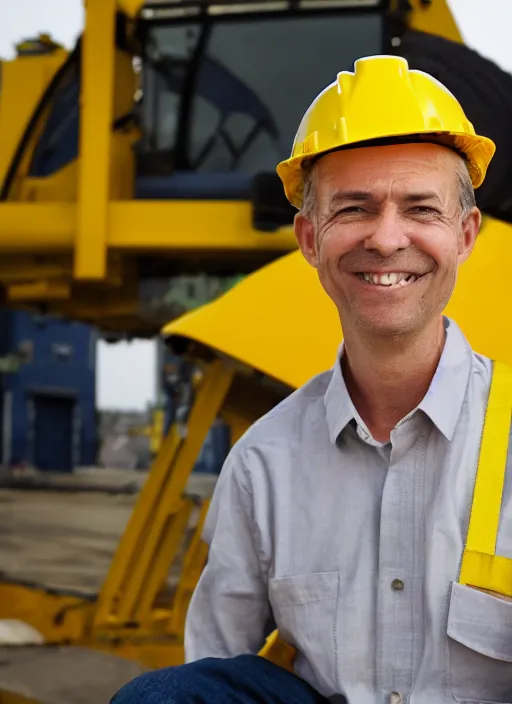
(398, 189)
(379, 163)
(380, 171)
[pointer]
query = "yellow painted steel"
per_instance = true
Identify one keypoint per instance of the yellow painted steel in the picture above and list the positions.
(36, 227)
(480, 565)
(434, 18)
(58, 617)
(19, 269)
(170, 532)
(193, 225)
(130, 7)
(139, 226)
(97, 110)
(144, 555)
(42, 290)
(267, 318)
(61, 187)
(17, 106)
(139, 524)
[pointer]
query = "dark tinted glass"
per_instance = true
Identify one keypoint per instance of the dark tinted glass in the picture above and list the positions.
(255, 80)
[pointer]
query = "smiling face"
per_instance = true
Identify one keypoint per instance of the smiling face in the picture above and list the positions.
(387, 235)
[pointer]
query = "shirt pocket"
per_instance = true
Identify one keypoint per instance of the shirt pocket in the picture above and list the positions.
(480, 646)
(305, 611)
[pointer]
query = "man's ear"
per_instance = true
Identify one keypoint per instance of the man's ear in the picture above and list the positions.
(305, 234)
(469, 233)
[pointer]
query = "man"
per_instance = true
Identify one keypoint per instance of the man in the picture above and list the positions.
(341, 517)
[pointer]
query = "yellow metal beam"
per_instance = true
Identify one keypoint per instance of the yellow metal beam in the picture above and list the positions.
(130, 7)
(436, 18)
(58, 617)
(191, 225)
(171, 538)
(35, 228)
(19, 272)
(140, 226)
(96, 115)
(144, 553)
(39, 291)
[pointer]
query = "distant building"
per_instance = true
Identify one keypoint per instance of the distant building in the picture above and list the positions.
(47, 392)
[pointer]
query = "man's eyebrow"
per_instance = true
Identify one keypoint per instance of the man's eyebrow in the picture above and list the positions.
(361, 196)
(350, 195)
(421, 196)
(340, 197)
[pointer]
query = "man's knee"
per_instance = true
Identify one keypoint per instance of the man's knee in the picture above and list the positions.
(245, 679)
(158, 687)
(195, 682)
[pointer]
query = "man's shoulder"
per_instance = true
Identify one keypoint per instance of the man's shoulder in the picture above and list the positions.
(268, 448)
(290, 417)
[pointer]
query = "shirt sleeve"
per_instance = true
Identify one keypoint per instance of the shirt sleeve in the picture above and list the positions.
(229, 611)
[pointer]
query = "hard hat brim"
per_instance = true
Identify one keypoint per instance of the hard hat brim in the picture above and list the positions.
(476, 150)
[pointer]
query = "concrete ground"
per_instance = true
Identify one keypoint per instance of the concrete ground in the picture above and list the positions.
(61, 540)
(63, 675)
(66, 539)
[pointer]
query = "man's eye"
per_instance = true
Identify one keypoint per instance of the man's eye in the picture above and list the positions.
(424, 210)
(349, 210)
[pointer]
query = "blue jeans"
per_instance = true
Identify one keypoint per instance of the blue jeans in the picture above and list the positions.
(246, 679)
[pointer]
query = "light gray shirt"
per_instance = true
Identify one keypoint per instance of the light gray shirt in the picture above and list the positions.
(352, 547)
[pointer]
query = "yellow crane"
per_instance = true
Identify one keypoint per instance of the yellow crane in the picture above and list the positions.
(113, 177)
(159, 87)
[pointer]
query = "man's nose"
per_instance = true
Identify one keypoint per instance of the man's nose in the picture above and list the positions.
(389, 234)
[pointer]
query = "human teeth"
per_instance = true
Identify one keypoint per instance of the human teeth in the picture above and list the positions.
(392, 279)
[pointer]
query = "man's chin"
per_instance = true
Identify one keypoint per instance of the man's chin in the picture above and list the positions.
(388, 326)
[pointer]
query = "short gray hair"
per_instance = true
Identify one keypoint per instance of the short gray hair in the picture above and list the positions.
(466, 191)
(308, 187)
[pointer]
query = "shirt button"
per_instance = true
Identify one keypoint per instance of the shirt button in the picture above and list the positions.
(395, 698)
(398, 586)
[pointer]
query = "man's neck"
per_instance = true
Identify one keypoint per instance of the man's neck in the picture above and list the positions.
(387, 378)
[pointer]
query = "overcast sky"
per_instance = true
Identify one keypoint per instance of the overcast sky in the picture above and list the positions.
(126, 372)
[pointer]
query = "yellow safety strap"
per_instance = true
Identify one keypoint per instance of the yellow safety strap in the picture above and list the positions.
(481, 567)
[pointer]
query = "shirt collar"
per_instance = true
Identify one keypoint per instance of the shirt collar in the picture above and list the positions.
(445, 396)
(442, 403)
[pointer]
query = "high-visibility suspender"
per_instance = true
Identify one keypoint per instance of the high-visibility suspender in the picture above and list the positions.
(481, 567)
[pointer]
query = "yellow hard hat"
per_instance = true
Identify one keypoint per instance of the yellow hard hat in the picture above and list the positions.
(383, 100)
